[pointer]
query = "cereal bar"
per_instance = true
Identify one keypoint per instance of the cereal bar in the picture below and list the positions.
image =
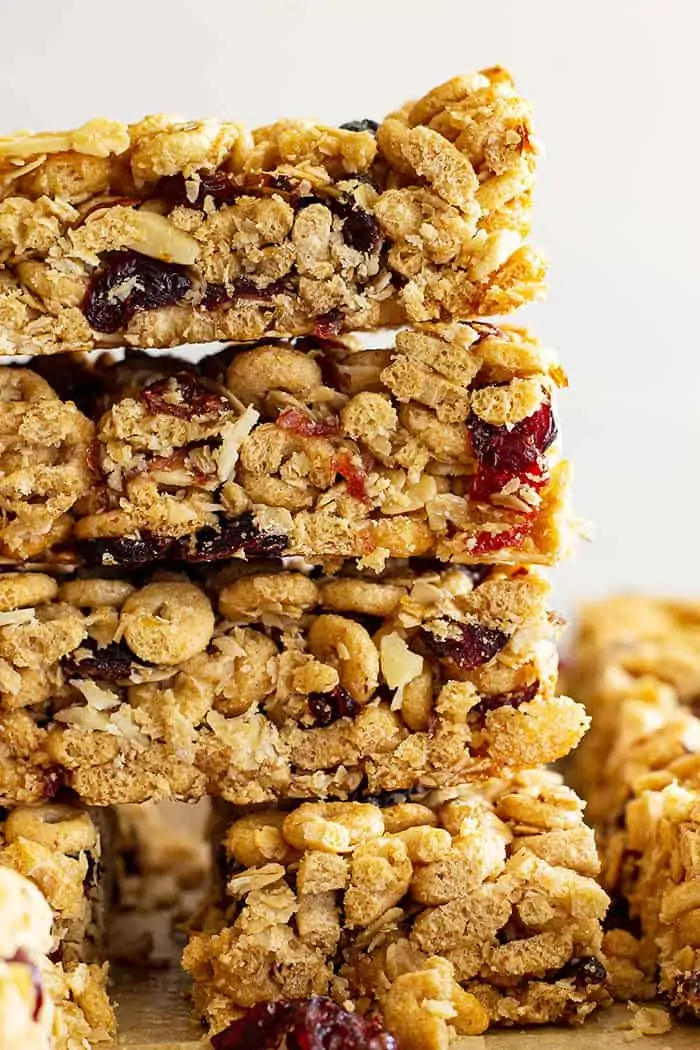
(255, 683)
(636, 665)
(52, 849)
(168, 232)
(443, 445)
(451, 912)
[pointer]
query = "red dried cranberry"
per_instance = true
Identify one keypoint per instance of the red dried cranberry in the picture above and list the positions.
(214, 184)
(488, 542)
(305, 425)
(22, 957)
(215, 295)
(152, 284)
(585, 969)
(110, 663)
(303, 1024)
(193, 398)
(488, 480)
(360, 229)
(684, 1000)
(361, 125)
(329, 707)
(474, 646)
(355, 478)
(330, 324)
(515, 450)
(513, 699)
(53, 781)
(234, 536)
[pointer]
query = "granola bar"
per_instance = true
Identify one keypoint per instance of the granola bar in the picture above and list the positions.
(636, 665)
(444, 444)
(457, 910)
(167, 232)
(49, 849)
(255, 684)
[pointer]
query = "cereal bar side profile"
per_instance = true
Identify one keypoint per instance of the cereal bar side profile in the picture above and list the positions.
(444, 444)
(482, 899)
(168, 231)
(255, 683)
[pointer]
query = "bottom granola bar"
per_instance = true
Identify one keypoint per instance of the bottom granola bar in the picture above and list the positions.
(473, 906)
(58, 848)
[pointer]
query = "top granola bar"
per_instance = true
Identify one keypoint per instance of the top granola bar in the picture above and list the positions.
(166, 232)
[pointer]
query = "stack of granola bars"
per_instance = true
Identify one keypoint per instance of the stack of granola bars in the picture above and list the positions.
(298, 574)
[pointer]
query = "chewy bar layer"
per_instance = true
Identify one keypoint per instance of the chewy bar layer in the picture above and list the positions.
(444, 444)
(271, 684)
(470, 907)
(162, 233)
(44, 1004)
(59, 847)
(636, 665)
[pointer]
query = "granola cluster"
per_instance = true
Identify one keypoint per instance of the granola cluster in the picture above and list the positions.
(444, 444)
(449, 911)
(636, 664)
(167, 232)
(254, 684)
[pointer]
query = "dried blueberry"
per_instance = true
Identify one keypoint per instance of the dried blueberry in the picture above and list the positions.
(126, 552)
(127, 282)
(327, 708)
(470, 646)
(360, 229)
(234, 536)
(361, 125)
(216, 185)
(585, 969)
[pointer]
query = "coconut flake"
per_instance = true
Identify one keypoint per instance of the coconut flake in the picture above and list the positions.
(232, 437)
(15, 616)
(399, 665)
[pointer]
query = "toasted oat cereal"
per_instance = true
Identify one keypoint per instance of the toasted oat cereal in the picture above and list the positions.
(452, 911)
(169, 231)
(257, 683)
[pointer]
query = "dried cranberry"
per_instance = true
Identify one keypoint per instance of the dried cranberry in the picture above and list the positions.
(585, 969)
(307, 426)
(126, 552)
(330, 324)
(685, 997)
(147, 283)
(25, 959)
(215, 295)
(361, 125)
(329, 707)
(214, 184)
(360, 229)
(303, 1024)
(517, 449)
(246, 288)
(192, 398)
(474, 646)
(53, 781)
(513, 699)
(488, 480)
(111, 663)
(234, 536)
(488, 542)
(355, 478)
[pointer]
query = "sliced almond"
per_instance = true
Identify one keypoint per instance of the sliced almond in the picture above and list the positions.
(152, 234)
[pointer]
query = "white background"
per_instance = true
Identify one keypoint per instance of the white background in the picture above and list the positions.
(615, 86)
